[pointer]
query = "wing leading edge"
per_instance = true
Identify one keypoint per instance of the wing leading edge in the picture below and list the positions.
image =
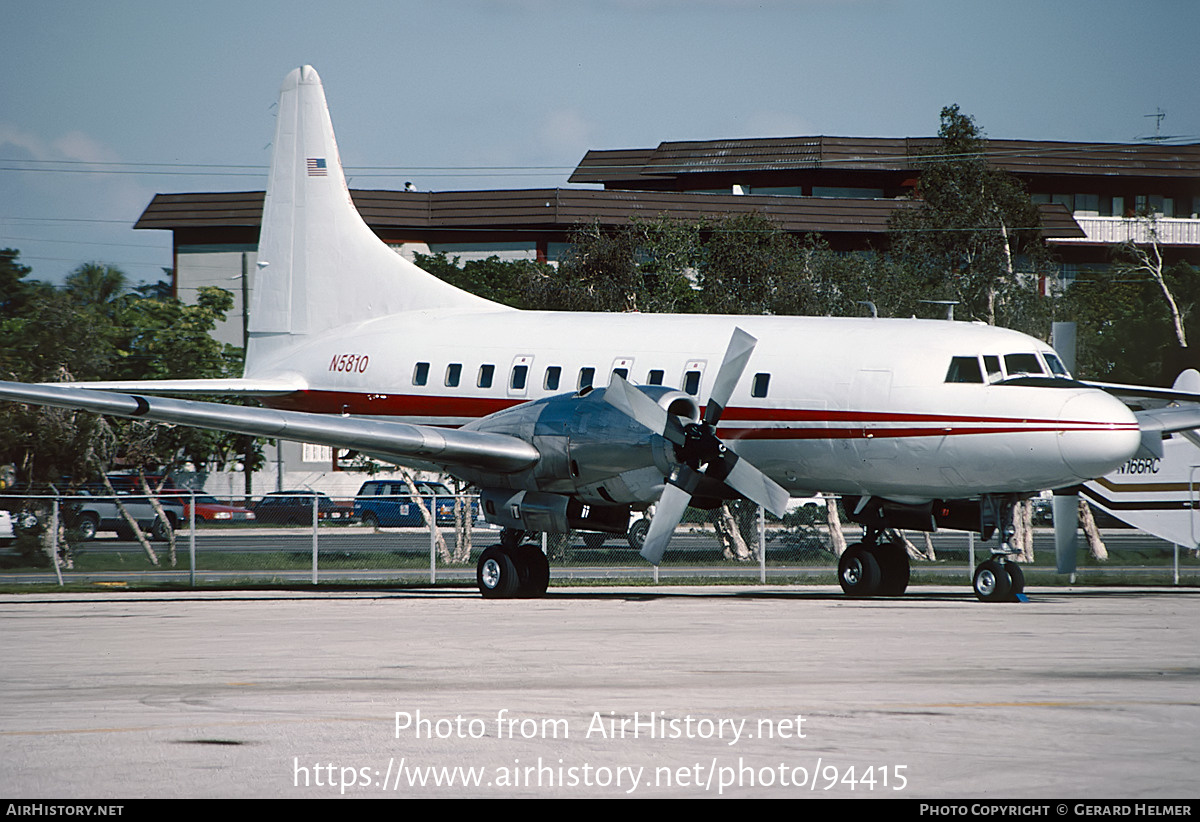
(394, 441)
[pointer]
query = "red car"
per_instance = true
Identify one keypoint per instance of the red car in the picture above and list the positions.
(208, 507)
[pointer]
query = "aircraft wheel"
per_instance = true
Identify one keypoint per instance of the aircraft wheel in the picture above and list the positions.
(992, 582)
(496, 574)
(858, 571)
(637, 534)
(594, 540)
(533, 570)
(893, 568)
(1018, 579)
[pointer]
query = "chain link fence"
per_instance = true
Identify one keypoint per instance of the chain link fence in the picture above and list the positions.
(306, 537)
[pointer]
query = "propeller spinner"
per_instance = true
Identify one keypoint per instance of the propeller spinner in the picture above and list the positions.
(704, 460)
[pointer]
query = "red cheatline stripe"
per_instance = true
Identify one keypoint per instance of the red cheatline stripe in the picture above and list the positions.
(466, 408)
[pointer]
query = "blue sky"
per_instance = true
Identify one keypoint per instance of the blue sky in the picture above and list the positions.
(436, 92)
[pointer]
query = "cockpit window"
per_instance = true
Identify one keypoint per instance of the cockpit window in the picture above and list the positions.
(991, 364)
(1056, 365)
(964, 369)
(1019, 365)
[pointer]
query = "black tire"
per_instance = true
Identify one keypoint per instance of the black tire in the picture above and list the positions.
(1018, 579)
(893, 567)
(87, 527)
(992, 582)
(369, 519)
(594, 540)
(858, 572)
(162, 529)
(496, 574)
(533, 571)
(637, 534)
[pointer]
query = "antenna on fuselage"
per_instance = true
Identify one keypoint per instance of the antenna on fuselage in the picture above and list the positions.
(949, 306)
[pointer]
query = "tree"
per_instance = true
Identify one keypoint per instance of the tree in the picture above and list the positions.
(974, 234)
(502, 281)
(1142, 256)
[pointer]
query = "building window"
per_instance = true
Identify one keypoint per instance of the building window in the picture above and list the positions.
(553, 374)
(453, 374)
(421, 373)
(486, 372)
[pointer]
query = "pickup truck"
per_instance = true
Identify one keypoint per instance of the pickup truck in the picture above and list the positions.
(90, 511)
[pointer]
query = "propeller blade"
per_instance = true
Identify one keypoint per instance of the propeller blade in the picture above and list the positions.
(668, 513)
(756, 486)
(625, 397)
(1065, 510)
(737, 355)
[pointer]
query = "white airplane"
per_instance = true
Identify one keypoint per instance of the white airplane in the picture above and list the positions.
(1157, 491)
(571, 420)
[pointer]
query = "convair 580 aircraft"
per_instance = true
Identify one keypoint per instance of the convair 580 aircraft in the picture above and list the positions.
(571, 420)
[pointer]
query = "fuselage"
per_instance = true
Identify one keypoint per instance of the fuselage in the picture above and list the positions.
(906, 409)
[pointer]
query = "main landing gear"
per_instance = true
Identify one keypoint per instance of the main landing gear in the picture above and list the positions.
(874, 568)
(505, 572)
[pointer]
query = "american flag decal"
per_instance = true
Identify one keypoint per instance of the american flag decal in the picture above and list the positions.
(316, 167)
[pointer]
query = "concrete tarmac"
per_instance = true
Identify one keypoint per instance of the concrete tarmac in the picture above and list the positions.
(601, 692)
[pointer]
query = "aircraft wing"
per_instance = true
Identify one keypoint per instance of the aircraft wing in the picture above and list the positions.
(1155, 422)
(234, 386)
(1185, 389)
(395, 441)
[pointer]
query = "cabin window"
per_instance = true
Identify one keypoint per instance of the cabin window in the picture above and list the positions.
(991, 364)
(421, 373)
(1021, 364)
(623, 373)
(655, 377)
(517, 381)
(760, 386)
(586, 377)
(1056, 366)
(486, 372)
(453, 374)
(964, 369)
(553, 374)
(691, 383)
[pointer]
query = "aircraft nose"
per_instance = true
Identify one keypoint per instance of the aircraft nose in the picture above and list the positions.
(1098, 434)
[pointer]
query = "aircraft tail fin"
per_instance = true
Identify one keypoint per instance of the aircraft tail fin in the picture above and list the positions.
(319, 265)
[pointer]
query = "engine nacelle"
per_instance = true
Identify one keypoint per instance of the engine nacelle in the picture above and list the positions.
(555, 513)
(589, 450)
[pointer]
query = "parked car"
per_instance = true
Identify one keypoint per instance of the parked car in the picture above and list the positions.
(211, 509)
(7, 532)
(92, 510)
(389, 503)
(208, 507)
(295, 508)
